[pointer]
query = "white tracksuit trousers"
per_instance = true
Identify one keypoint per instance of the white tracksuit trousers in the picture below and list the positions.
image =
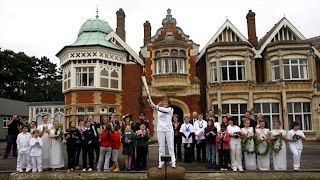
(236, 154)
(21, 155)
(296, 157)
(36, 163)
(162, 137)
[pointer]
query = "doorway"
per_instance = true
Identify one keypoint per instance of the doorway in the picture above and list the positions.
(177, 110)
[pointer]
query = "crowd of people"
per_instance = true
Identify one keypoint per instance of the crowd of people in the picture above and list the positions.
(204, 140)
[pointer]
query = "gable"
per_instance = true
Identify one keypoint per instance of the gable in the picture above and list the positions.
(226, 33)
(282, 31)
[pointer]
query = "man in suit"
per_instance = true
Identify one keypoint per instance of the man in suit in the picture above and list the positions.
(192, 121)
(247, 117)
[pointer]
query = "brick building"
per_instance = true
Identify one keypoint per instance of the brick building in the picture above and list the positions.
(101, 73)
(277, 76)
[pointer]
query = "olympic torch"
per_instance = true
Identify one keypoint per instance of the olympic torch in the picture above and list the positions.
(144, 81)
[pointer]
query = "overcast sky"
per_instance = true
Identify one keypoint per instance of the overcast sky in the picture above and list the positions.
(43, 27)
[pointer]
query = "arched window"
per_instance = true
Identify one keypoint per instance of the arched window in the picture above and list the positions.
(80, 110)
(157, 54)
(90, 110)
(112, 110)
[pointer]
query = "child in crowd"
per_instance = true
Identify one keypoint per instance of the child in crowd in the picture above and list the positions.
(105, 142)
(33, 126)
(88, 137)
(115, 149)
(56, 135)
(36, 151)
(295, 138)
(222, 139)
(235, 145)
(128, 151)
(199, 127)
(142, 137)
(78, 148)
(72, 136)
(210, 134)
(187, 131)
(23, 146)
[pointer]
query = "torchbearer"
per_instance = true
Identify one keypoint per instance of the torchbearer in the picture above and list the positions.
(164, 127)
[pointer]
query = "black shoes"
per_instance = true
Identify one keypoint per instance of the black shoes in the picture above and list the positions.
(5, 157)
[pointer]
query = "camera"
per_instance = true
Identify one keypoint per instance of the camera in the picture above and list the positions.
(237, 133)
(296, 136)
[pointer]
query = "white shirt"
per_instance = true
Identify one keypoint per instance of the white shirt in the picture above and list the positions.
(40, 127)
(232, 130)
(296, 144)
(186, 129)
(217, 125)
(23, 142)
(247, 132)
(199, 127)
(36, 149)
(164, 118)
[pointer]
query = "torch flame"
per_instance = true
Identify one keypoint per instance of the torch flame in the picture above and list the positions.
(144, 71)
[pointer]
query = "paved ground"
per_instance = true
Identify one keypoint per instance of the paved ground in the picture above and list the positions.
(310, 159)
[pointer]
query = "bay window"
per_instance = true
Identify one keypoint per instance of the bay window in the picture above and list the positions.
(85, 76)
(295, 69)
(232, 70)
(173, 62)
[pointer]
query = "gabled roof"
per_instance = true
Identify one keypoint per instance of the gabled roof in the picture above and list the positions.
(114, 35)
(284, 22)
(226, 24)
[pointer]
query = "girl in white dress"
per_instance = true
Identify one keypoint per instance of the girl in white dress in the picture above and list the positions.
(56, 135)
(263, 162)
(44, 129)
(280, 159)
(250, 159)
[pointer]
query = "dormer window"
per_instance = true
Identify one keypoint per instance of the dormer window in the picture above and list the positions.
(171, 61)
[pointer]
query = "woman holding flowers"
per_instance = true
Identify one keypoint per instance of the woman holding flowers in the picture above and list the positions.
(56, 144)
(278, 146)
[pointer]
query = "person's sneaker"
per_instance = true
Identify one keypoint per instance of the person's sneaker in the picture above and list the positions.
(28, 170)
(221, 169)
(111, 169)
(69, 170)
(128, 169)
(160, 165)
(72, 169)
(20, 171)
(234, 169)
(90, 169)
(225, 169)
(240, 169)
(4, 157)
(116, 170)
(173, 165)
(84, 170)
(209, 167)
(77, 167)
(98, 170)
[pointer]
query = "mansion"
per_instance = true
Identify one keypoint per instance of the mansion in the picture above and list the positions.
(277, 76)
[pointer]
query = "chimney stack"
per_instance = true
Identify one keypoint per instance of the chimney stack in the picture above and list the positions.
(121, 24)
(251, 22)
(147, 32)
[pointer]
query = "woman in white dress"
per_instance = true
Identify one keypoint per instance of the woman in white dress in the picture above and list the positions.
(250, 159)
(44, 129)
(262, 133)
(280, 159)
(56, 156)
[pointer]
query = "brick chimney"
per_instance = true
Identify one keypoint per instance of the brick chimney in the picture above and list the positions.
(251, 22)
(121, 24)
(147, 32)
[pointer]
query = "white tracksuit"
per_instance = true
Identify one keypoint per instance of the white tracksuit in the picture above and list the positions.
(165, 132)
(23, 147)
(36, 154)
(235, 147)
(296, 147)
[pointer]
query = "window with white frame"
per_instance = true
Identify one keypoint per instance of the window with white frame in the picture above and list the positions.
(170, 61)
(213, 72)
(80, 110)
(295, 69)
(90, 110)
(299, 110)
(85, 76)
(232, 70)
(66, 79)
(269, 108)
(275, 68)
(110, 77)
(5, 121)
(236, 107)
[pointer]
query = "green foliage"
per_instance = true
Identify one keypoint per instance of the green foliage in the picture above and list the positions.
(28, 78)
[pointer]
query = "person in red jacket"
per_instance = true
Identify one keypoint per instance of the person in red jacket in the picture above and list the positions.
(222, 139)
(115, 149)
(106, 142)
